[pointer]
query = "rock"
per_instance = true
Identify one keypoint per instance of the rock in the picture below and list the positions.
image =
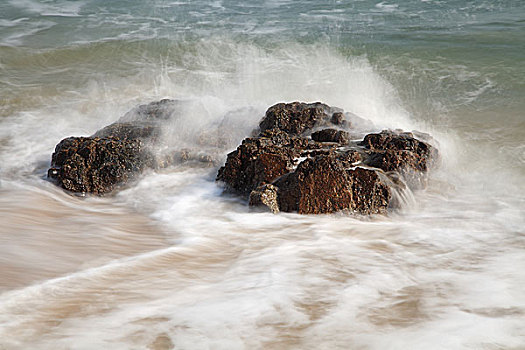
(390, 160)
(97, 165)
(284, 170)
(392, 151)
(338, 118)
(296, 117)
(370, 193)
(318, 185)
(257, 161)
(129, 131)
(403, 153)
(152, 112)
(349, 157)
(113, 155)
(323, 185)
(265, 196)
(331, 135)
(143, 122)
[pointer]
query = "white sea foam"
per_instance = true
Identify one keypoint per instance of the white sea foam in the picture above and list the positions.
(386, 7)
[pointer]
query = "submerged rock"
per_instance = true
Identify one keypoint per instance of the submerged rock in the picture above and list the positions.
(284, 169)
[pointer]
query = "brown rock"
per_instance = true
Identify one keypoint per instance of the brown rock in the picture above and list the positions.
(129, 131)
(326, 179)
(403, 150)
(114, 154)
(331, 135)
(398, 145)
(370, 194)
(255, 162)
(265, 196)
(319, 185)
(349, 158)
(296, 117)
(96, 165)
(338, 118)
(324, 185)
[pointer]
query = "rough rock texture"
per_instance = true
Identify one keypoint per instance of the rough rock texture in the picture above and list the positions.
(392, 151)
(265, 195)
(323, 185)
(296, 117)
(301, 159)
(113, 155)
(331, 135)
(401, 152)
(338, 118)
(370, 193)
(260, 160)
(97, 165)
(288, 168)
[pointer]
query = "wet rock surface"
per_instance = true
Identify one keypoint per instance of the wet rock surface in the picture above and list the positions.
(265, 195)
(300, 159)
(331, 135)
(304, 161)
(401, 152)
(115, 154)
(97, 165)
(324, 185)
(297, 118)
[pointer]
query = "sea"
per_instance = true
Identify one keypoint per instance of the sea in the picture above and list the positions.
(171, 262)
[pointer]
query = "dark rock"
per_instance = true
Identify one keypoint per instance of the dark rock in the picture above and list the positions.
(129, 131)
(152, 112)
(113, 155)
(331, 135)
(338, 118)
(318, 185)
(391, 151)
(401, 152)
(96, 165)
(323, 185)
(284, 170)
(265, 196)
(390, 160)
(296, 117)
(256, 161)
(349, 158)
(143, 122)
(370, 193)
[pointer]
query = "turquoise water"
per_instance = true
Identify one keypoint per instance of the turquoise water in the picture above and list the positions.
(170, 263)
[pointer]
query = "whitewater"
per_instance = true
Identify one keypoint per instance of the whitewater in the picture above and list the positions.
(171, 262)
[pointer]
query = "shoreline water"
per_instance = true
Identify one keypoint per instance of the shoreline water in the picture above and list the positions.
(170, 262)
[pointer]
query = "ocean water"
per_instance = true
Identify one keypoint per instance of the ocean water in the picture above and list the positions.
(172, 263)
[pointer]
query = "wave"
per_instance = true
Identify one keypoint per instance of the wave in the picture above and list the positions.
(172, 260)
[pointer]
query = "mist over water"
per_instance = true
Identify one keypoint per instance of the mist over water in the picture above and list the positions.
(171, 262)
